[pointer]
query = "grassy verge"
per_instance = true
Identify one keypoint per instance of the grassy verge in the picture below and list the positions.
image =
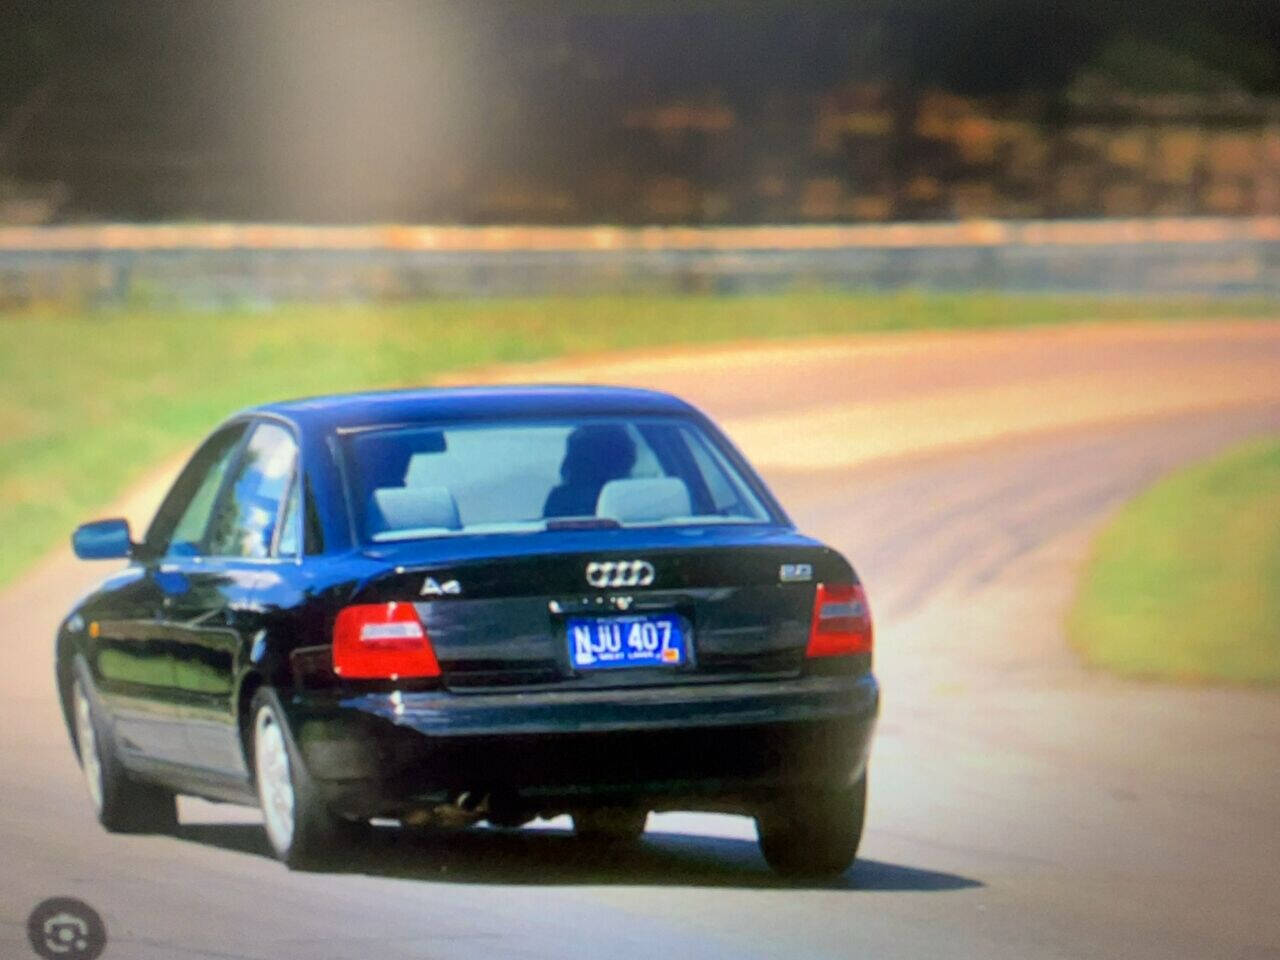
(1185, 583)
(89, 402)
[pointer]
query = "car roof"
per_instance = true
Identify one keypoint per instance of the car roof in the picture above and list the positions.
(352, 410)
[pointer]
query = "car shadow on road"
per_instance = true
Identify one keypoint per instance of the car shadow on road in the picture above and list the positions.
(555, 857)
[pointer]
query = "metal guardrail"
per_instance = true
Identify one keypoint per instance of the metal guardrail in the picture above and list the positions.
(221, 264)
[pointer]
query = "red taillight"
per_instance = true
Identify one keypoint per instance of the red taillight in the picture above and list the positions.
(383, 641)
(841, 621)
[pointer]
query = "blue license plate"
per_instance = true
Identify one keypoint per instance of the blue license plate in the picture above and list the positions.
(652, 640)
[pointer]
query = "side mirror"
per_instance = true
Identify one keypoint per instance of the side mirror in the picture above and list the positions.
(103, 540)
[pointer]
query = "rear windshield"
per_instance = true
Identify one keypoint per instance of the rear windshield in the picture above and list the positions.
(466, 478)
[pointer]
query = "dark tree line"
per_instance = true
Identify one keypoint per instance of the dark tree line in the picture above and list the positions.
(320, 109)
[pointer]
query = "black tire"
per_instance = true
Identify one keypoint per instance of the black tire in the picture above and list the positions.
(814, 836)
(121, 803)
(612, 825)
(317, 835)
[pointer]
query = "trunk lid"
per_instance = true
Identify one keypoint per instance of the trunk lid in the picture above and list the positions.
(498, 610)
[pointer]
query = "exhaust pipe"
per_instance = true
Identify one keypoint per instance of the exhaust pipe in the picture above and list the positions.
(472, 801)
(462, 811)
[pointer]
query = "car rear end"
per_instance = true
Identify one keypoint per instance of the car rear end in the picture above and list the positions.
(769, 688)
(679, 646)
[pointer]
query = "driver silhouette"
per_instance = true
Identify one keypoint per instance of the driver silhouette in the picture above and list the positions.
(594, 455)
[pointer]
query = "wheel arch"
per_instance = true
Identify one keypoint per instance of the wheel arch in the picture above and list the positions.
(267, 666)
(65, 652)
(252, 681)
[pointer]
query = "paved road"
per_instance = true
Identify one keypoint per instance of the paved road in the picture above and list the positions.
(1022, 806)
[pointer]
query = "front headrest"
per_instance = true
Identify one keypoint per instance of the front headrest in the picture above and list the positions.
(644, 500)
(415, 508)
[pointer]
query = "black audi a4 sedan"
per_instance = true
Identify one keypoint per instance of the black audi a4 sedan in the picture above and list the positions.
(464, 605)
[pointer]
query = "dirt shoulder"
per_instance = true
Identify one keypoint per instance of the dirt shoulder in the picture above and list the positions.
(847, 401)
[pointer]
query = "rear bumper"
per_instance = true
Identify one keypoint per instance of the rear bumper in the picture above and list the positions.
(704, 745)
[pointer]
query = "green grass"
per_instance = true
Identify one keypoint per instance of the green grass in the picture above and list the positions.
(1185, 583)
(90, 401)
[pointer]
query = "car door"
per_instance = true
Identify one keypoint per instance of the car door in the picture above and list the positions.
(240, 581)
(131, 669)
(133, 652)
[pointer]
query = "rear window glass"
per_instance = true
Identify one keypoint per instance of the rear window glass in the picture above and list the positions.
(441, 480)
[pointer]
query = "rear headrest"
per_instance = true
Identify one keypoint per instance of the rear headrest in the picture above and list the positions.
(413, 508)
(644, 500)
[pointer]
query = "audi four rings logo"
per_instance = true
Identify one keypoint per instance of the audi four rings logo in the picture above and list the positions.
(620, 573)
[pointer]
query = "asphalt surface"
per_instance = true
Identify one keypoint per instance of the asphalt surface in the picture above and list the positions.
(1021, 805)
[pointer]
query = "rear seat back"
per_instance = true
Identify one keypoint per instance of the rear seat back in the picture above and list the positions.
(416, 508)
(644, 500)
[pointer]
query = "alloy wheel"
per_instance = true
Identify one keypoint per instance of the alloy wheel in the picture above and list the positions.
(275, 787)
(87, 742)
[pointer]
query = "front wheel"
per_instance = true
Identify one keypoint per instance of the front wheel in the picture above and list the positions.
(814, 835)
(122, 805)
(301, 829)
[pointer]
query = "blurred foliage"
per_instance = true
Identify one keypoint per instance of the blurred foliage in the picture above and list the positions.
(1200, 60)
(1185, 583)
(517, 111)
(90, 402)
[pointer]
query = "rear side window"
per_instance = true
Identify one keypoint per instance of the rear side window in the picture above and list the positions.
(478, 477)
(288, 541)
(246, 519)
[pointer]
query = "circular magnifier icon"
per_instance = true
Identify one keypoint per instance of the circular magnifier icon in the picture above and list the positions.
(63, 928)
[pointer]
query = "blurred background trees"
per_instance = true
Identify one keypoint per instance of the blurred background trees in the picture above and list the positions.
(636, 112)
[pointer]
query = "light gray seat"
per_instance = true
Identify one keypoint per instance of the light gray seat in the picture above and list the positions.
(644, 500)
(417, 508)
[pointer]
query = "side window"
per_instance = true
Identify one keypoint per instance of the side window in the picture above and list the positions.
(245, 517)
(290, 524)
(180, 524)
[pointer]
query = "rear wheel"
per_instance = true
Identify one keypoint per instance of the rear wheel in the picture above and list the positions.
(122, 805)
(301, 829)
(814, 835)
(610, 824)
